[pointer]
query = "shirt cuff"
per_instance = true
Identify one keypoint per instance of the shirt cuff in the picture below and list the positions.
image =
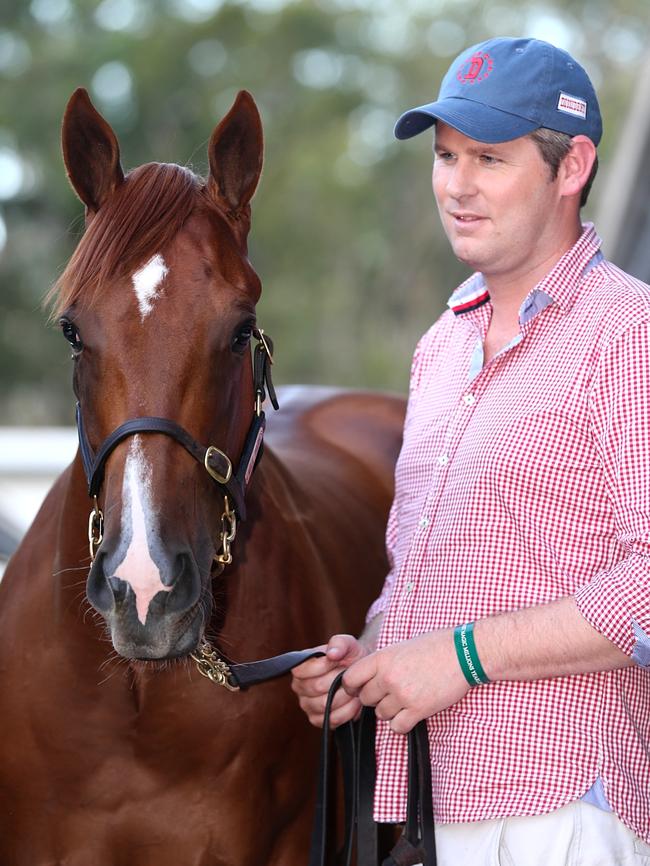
(607, 606)
(641, 651)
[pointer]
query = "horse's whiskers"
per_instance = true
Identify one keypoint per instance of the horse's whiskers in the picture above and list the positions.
(69, 570)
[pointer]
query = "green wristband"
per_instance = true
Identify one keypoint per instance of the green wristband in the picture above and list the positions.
(468, 658)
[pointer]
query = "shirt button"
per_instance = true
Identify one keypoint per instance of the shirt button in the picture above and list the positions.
(469, 399)
(409, 587)
(443, 460)
(424, 522)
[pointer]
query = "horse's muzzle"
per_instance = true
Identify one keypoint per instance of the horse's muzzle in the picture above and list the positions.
(151, 614)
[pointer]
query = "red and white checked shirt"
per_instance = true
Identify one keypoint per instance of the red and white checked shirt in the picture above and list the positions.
(519, 482)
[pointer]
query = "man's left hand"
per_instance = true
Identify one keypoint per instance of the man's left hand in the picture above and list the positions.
(410, 680)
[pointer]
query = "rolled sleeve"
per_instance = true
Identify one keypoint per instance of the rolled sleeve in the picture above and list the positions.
(616, 602)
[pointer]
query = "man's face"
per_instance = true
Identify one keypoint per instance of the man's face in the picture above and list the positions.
(497, 202)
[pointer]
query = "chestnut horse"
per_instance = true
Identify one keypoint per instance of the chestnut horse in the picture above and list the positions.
(115, 750)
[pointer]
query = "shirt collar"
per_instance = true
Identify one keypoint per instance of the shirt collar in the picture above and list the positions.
(559, 286)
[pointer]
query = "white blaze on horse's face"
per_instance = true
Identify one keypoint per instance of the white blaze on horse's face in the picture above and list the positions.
(146, 282)
(138, 522)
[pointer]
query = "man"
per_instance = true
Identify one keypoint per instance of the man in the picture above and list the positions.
(516, 615)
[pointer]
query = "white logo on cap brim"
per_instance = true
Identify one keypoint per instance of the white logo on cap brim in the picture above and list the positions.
(572, 105)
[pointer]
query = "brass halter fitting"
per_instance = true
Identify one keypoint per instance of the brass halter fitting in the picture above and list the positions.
(95, 529)
(213, 667)
(222, 479)
(260, 336)
(228, 533)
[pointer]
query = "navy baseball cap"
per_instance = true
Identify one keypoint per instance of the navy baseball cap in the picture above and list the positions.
(505, 88)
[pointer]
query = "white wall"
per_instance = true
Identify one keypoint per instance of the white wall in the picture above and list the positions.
(30, 459)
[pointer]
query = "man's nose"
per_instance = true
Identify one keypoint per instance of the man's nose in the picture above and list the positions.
(461, 181)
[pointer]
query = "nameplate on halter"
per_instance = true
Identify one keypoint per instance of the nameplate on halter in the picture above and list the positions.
(253, 457)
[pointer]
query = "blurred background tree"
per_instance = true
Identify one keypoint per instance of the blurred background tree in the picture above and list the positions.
(345, 237)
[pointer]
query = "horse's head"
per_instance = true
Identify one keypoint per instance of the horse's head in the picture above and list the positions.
(158, 304)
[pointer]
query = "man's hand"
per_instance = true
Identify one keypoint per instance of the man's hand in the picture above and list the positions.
(312, 679)
(410, 680)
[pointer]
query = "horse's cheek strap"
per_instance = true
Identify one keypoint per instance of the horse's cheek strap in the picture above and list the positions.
(87, 454)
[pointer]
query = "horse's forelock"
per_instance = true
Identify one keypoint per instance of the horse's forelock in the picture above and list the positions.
(143, 215)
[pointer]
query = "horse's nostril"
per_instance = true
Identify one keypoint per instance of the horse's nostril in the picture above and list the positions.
(119, 588)
(100, 594)
(186, 584)
(183, 566)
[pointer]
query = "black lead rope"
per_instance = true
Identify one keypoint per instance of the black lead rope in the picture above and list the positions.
(356, 747)
(251, 673)
(355, 743)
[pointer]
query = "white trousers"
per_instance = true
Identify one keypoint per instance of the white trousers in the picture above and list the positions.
(578, 834)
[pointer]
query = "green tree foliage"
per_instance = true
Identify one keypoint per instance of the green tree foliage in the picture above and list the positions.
(345, 237)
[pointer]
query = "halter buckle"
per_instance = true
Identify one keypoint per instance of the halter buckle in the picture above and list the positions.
(222, 479)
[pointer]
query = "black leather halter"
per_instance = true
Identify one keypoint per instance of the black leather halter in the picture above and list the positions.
(232, 481)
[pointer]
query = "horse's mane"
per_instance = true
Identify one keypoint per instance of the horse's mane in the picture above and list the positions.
(142, 215)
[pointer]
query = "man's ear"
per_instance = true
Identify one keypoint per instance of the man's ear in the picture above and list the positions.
(576, 166)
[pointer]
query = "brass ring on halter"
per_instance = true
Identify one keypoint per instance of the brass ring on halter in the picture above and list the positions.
(222, 479)
(95, 528)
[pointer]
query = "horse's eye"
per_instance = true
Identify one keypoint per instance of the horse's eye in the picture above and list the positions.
(71, 334)
(242, 338)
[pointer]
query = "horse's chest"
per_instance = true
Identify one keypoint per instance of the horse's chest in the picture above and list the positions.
(178, 782)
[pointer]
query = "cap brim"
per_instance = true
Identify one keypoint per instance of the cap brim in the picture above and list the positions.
(473, 119)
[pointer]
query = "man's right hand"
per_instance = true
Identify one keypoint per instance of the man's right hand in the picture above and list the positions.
(312, 679)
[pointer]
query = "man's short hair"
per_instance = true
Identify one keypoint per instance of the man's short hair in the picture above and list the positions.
(554, 146)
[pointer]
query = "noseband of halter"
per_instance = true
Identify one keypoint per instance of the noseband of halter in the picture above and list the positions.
(232, 481)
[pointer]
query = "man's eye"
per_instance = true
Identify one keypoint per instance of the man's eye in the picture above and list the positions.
(488, 159)
(71, 334)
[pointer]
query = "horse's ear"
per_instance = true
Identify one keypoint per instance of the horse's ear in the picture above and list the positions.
(90, 152)
(235, 153)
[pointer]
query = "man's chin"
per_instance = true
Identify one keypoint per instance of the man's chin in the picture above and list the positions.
(469, 257)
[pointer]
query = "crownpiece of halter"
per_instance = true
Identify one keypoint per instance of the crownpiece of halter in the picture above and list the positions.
(233, 483)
